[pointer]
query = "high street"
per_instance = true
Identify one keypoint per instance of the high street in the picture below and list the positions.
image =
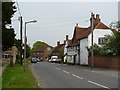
(50, 75)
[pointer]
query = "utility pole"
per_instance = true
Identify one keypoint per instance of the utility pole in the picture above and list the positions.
(92, 52)
(21, 45)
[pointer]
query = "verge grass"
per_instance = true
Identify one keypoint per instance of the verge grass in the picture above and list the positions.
(17, 77)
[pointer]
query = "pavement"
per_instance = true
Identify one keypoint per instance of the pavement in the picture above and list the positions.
(50, 75)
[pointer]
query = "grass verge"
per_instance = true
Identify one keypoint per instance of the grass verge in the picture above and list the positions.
(16, 77)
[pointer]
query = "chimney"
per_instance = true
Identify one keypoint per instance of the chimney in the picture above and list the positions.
(58, 43)
(98, 17)
(66, 37)
(64, 42)
(76, 24)
(92, 15)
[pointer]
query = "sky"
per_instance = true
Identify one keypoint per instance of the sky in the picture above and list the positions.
(55, 20)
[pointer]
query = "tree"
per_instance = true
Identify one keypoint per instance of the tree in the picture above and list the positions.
(38, 43)
(113, 44)
(8, 35)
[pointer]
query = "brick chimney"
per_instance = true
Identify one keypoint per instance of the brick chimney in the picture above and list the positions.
(64, 42)
(98, 17)
(58, 43)
(66, 37)
(76, 24)
(92, 15)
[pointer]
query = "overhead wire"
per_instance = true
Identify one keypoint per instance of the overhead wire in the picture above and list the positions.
(18, 7)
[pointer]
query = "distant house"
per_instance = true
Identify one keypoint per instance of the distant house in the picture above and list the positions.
(76, 48)
(6, 55)
(42, 52)
(58, 50)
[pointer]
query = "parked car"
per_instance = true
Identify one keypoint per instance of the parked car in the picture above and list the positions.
(53, 59)
(58, 61)
(33, 60)
(38, 60)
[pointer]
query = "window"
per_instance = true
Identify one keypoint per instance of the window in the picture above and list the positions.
(101, 40)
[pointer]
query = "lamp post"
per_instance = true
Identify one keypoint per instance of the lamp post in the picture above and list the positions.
(25, 38)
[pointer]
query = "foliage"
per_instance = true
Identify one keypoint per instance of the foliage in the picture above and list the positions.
(113, 44)
(59, 51)
(8, 10)
(61, 54)
(8, 35)
(28, 51)
(7, 38)
(38, 43)
(118, 25)
(110, 47)
(18, 43)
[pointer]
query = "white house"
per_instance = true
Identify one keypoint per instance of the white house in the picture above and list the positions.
(77, 52)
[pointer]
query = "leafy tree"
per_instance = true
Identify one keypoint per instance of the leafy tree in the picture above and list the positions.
(38, 43)
(113, 44)
(8, 35)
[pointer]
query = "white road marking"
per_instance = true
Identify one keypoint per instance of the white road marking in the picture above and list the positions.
(86, 70)
(66, 72)
(97, 84)
(58, 68)
(77, 76)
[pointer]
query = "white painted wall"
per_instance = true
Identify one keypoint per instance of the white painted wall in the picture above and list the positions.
(83, 51)
(69, 59)
(73, 52)
(97, 33)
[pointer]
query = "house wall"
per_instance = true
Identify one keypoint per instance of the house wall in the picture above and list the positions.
(83, 51)
(72, 54)
(97, 33)
(69, 59)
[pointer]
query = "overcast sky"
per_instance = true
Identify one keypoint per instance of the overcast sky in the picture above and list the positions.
(56, 19)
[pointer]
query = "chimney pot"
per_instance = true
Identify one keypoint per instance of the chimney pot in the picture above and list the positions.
(66, 37)
(64, 42)
(76, 24)
(97, 17)
(58, 43)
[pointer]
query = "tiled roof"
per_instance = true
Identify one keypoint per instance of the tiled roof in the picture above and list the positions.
(59, 47)
(41, 48)
(80, 33)
(7, 52)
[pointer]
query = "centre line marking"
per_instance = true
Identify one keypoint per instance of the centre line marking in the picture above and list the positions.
(97, 84)
(58, 69)
(66, 72)
(77, 76)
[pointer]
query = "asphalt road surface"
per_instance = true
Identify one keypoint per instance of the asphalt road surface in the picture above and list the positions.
(50, 75)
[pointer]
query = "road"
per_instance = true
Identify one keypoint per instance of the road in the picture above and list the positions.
(50, 75)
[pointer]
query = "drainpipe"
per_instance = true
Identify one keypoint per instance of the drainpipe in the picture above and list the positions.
(78, 55)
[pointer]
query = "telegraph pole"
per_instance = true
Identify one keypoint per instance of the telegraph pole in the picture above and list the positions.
(92, 52)
(21, 45)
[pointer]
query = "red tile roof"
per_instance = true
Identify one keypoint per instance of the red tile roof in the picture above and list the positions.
(80, 33)
(40, 48)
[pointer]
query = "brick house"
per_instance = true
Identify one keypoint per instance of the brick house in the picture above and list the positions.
(42, 52)
(59, 50)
